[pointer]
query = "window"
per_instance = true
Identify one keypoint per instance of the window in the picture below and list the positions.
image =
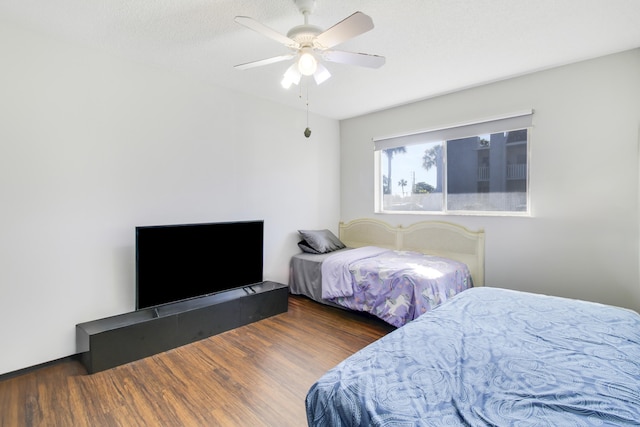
(479, 168)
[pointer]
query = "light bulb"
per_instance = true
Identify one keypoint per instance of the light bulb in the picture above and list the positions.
(307, 64)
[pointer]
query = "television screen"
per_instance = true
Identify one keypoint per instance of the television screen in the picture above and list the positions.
(178, 262)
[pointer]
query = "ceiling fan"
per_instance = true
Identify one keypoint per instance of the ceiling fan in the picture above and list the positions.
(310, 45)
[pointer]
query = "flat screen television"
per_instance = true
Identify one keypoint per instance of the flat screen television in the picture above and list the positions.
(183, 261)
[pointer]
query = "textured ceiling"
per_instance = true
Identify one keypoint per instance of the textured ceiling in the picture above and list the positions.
(431, 46)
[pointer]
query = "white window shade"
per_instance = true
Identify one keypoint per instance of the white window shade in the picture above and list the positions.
(499, 124)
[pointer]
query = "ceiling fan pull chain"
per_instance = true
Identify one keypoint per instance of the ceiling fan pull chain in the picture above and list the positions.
(307, 131)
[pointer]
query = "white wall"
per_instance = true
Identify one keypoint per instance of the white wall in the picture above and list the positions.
(92, 145)
(582, 239)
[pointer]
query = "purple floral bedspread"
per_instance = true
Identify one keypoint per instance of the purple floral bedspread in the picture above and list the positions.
(396, 286)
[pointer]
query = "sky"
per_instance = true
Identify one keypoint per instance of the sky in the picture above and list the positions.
(406, 163)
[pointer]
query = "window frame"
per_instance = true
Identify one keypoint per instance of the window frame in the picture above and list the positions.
(505, 123)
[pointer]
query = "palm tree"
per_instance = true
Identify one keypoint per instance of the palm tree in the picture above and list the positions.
(433, 157)
(402, 183)
(390, 152)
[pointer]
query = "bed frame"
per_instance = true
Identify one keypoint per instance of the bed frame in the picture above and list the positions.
(437, 238)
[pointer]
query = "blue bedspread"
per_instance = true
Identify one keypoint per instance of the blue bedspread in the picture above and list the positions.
(492, 357)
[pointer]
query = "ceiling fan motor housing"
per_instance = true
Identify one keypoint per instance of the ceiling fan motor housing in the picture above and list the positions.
(304, 34)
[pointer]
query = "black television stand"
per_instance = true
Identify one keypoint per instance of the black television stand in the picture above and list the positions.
(116, 340)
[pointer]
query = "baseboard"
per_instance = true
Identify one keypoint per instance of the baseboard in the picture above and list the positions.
(29, 369)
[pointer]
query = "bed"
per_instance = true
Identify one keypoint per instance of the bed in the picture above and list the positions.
(491, 357)
(394, 273)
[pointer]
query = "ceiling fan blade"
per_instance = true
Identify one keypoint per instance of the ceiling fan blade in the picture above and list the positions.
(352, 58)
(344, 30)
(262, 62)
(254, 25)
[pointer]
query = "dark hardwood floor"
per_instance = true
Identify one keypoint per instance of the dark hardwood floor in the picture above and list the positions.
(255, 375)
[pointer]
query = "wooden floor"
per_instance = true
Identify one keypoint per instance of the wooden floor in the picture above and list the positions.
(256, 375)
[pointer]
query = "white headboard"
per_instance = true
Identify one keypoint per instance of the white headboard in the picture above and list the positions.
(437, 238)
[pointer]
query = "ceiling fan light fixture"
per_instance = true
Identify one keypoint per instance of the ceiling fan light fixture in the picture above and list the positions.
(291, 76)
(307, 63)
(286, 83)
(321, 74)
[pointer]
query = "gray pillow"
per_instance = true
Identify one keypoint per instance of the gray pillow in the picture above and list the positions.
(306, 248)
(319, 241)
